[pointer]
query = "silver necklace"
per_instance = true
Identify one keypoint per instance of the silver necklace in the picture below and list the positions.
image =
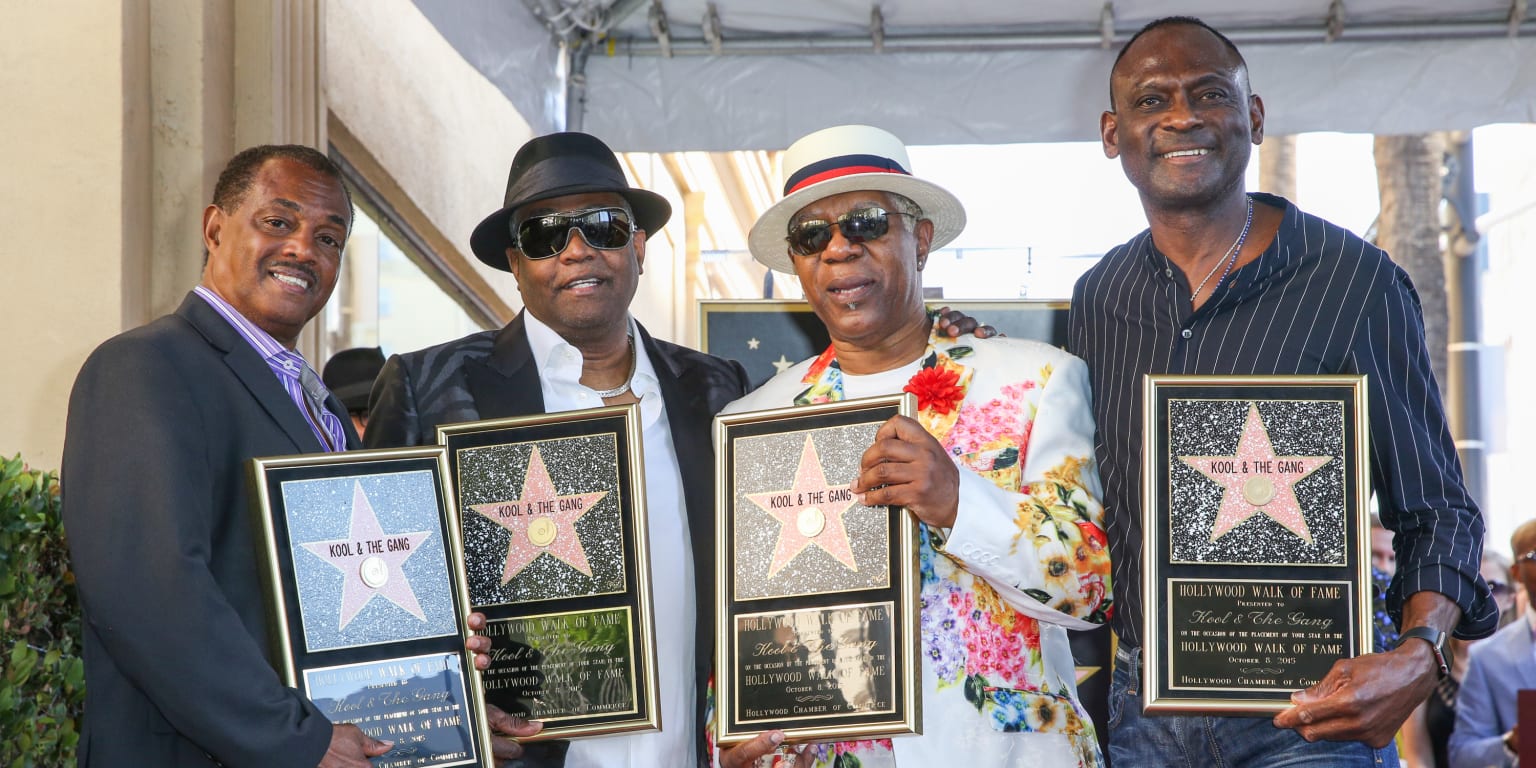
(1229, 259)
(634, 359)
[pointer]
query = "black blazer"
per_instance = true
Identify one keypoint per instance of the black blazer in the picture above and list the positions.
(492, 375)
(162, 422)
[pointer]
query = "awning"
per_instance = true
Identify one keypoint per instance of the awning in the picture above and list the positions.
(669, 75)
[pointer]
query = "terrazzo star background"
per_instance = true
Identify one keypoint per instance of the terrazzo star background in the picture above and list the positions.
(322, 510)
(1295, 428)
(769, 463)
(576, 465)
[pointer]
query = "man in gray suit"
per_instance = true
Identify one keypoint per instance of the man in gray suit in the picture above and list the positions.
(573, 232)
(1497, 669)
(162, 420)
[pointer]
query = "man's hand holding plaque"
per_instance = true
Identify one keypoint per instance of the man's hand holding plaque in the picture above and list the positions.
(1256, 540)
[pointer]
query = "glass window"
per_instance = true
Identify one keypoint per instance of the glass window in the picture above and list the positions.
(384, 299)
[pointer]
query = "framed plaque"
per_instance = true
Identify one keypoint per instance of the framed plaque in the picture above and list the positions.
(552, 514)
(816, 593)
(1256, 538)
(360, 559)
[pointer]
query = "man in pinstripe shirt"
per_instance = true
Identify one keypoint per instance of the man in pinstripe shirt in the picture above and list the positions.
(1224, 282)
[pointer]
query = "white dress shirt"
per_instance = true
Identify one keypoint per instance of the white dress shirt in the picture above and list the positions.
(559, 366)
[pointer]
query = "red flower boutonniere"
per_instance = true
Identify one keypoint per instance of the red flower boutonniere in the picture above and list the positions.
(938, 389)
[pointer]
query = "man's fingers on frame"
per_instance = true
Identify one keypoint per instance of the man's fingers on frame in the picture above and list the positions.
(890, 451)
(888, 474)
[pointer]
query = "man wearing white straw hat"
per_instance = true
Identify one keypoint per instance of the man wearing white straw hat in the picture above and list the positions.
(998, 465)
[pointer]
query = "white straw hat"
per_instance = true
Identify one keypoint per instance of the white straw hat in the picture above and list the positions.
(849, 158)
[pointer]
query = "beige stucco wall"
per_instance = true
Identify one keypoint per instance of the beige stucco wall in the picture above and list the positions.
(124, 111)
(72, 203)
(120, 115)
(445, 134)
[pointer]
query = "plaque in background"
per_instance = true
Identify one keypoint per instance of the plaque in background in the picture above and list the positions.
(359, 557)
(770, 335)
(816, 593)
(1256, 538)
(552, 514)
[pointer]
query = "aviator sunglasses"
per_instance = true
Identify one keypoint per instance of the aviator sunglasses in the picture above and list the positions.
(810, 237)
(541, 237)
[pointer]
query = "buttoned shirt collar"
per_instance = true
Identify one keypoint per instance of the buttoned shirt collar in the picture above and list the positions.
(560, 364)
(290, 369)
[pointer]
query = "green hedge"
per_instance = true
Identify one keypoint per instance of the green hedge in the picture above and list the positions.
(42, 688)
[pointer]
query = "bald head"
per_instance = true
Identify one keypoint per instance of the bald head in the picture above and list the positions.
(1524, 538)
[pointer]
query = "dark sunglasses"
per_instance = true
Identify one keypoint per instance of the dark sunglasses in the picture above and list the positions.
(1527, 557)
(540, 237)
(810, 237)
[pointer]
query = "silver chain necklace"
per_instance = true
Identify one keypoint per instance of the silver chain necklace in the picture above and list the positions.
(634, 360)
(1229, 259)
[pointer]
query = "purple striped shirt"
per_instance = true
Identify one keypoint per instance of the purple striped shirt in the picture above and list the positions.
(288, 365)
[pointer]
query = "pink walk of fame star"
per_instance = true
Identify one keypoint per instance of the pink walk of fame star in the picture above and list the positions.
(809, 513)
(369, 560)
(1255, 480)
(541, 522)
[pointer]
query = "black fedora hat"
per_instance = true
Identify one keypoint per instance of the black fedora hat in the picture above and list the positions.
(349, 375)
(554, 166)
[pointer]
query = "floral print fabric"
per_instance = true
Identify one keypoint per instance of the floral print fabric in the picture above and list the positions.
(981, 622)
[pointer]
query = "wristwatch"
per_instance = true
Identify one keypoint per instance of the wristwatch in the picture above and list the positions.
(1437, 646)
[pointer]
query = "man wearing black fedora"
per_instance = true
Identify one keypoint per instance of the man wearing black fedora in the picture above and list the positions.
(572, 231)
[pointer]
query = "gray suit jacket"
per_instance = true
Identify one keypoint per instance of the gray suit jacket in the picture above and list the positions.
(492, 375)
(162, 422)
(1497, 669)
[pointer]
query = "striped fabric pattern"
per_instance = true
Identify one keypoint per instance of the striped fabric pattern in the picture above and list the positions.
(1319, 300)
(288, 365)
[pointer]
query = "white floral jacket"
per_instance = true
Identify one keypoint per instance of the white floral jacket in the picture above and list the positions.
(1026, 559)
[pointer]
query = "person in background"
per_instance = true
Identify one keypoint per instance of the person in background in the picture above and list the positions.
(1497, 669)
(349, 374)
(1426, 736)
(1383, 558)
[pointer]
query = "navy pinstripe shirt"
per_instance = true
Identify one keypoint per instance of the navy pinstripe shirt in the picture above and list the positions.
(1319, 300)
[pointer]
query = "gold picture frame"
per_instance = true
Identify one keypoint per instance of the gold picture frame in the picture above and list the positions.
(816, 595)
(363, 573)
(1256, 538)
(552, 511)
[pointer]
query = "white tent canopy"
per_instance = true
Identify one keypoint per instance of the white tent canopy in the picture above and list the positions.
(671, 75)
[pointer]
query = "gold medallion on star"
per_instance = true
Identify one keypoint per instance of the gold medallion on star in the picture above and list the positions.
(541, 522)
(1255, 480)
(809, 513)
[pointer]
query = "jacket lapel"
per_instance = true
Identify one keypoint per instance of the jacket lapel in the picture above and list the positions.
(690, 421)
(252, 371)
(506, 382)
